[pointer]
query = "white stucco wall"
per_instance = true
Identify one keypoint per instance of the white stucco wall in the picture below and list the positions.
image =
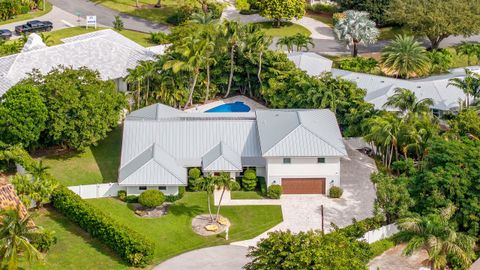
(171, 190)
(304, 168)
(121, 85)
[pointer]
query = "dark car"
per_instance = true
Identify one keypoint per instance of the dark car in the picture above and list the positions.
(34, 26)
(5, 34)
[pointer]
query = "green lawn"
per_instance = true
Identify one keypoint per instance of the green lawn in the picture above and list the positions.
(30, 15)
(75, 249)
(389, 33)
(287, 29)
(146, 8)
(172, 233)
(326, 19)
(98, 164)
(245, 195)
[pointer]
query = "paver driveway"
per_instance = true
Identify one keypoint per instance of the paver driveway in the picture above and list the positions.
(302, 212)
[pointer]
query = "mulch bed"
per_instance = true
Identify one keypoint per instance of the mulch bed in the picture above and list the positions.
(199, 222)
(151, 212)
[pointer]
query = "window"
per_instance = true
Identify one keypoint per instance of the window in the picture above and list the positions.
(142, 188)
(162, 188)
(287, 160)
(321, 160)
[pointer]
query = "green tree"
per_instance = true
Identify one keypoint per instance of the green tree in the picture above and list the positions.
(118, 23)
(82, 108)
(470, 85)
(356, 28)
(438, 237)
(302, 41)
(404, 57)
(287, 42)
(207, 184)
(233, 34)
(406, 101)
(437, 19)
(466, 123)
(16, 234)
(383, 132)
(223, 182)
(308, 250)
(278, 10)
(469, 49)
(22, 115)
(376, 8)
(440, 60)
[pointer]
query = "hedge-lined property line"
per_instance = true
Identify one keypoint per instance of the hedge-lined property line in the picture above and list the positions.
(128, 244)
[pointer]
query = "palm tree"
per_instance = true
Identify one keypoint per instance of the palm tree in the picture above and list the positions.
(256, 44)
(233, 33)
(469, 49)
(405, 57)
(47, 39)
(437, 236)
(135, 77)
(286, 41)
(202, 18)
(16, 233)
(406, 101)
(302, 41)
(38, 170)
(149, 71)
(223, 182)
(207, 184)
(470, 85)
(383, 133)
(356, 28)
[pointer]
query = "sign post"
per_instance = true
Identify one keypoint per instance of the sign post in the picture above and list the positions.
(91, 21)
(226, 233)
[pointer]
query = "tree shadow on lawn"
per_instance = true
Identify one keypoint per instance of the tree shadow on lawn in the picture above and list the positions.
(107, 154)
(182, 209)
(74, 229)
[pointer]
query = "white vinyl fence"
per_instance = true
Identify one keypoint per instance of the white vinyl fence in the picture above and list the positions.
(97, 190)
(380, 233)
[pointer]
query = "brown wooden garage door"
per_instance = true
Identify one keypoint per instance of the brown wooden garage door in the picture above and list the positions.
(303, 185)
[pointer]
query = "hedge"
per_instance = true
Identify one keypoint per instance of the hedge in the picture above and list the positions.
(358, 228)
(129, 245)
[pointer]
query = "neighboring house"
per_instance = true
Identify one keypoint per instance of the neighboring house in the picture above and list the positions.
(10, 200)
(298, 149)
(380, 88)
(106, 51)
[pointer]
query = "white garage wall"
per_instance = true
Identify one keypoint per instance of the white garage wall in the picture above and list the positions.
(171, 190)
(304, 168)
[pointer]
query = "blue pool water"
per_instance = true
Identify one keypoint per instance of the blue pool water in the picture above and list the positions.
(231, 107)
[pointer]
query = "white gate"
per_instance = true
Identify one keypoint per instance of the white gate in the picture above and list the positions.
(97, 190)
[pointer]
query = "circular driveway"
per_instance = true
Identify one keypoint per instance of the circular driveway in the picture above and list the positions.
(218, 258)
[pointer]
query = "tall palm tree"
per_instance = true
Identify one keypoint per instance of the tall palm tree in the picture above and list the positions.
(207, 184)
(16, 233)
(383, 133)
(38, 170)
(356, 28)
(302, 41)
(233, 33)
(149, 71)
(256, 45)
(135, 77)
(405, 57)
(223, 182)
(406, 101)
(470, 85)
(437, 236)
(469, 49)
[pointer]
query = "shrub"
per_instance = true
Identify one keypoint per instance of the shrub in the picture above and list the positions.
(131, 199)
(172, 198)
(122, 194)
(151, 198)
(274, 191)
(44, 240)
(335, 192)
(128, 244)
(358, 228)
(118, 24)
(377, 248)
(242, 5)
(249, 180)
(235, 186)
(159, 38)
(181, 15)
(193, 175)
(358, 64)
(215, 9)
(263, 185)
(328, 8)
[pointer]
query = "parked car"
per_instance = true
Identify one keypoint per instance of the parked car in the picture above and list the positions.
(34, 26)
(5, 34)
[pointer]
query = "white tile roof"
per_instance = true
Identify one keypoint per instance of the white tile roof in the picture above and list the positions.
(314, 64)
(106, 51)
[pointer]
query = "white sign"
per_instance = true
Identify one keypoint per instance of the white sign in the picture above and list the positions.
(91, 21)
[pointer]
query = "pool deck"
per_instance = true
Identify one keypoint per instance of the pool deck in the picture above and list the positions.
(215, 103)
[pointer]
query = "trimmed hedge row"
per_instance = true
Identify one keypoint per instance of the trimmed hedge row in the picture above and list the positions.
(128, 244)
(358, 228)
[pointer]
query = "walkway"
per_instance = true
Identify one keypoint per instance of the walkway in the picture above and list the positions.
(105, 16)
(219, 258)
(303, 212)
(59, 17)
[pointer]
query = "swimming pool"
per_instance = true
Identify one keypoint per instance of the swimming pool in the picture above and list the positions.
(237, 106)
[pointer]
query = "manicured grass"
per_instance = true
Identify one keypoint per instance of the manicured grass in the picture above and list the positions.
(98, 164)
(389, 33)
(326, 19)
(146, 8)
(246, 195)
(287, 29)
(75, 249)
(173, 234)
(30, 15)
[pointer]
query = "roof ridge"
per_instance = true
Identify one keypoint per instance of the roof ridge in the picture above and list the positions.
(321, 138)
(165, 167)
(222, 155)
(286, 135)
(126, 164)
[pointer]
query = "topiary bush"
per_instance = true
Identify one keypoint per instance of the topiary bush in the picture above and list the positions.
(44, 240)
(151, 198)
(122, 194)
(193, 175)
(128, 244)
(263, 185)
(249, 180)
(274, 191)
(335, 192)
(235, 186)
(131, 199)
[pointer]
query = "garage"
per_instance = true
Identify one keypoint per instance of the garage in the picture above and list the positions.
(303, 185)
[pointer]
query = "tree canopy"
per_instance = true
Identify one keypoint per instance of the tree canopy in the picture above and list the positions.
(437, 19)
(278, 10)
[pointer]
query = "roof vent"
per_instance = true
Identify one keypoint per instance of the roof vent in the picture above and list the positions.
(418, 86)
(382, 81)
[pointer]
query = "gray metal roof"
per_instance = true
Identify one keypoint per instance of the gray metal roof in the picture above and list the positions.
(153, 166)
(222, 158)
(310, 62)
(304, 133)
(106, 51)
